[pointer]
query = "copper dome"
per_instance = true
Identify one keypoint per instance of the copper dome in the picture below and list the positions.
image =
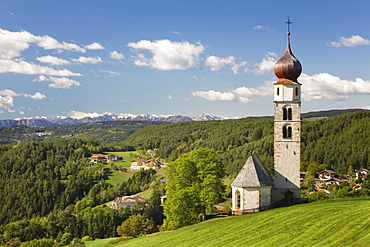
(288, 68)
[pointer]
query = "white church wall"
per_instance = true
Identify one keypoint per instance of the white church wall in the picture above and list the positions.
(251, 199)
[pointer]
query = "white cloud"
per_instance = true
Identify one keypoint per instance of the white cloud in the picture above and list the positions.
(94, 46)
(53, 60)
(326, 86)
(267, 64)
(79, 115)
(175, 32)
(262, 91)
(168, 55)
(355, 40)
(13, 43)
(260, 27)
(214, 96)
(217, 63)
(50, 43)
(8, 92)
(110, 72)
(91, 60)
(314, 87)
(23, 67)
(241, 94)
(116, 55)
(168, 97)
(36, 96)
(57, 82)
(7, 98)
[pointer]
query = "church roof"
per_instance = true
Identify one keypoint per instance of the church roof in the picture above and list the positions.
(288, 68)
(253, 174)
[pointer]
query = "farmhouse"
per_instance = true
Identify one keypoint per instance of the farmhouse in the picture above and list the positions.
(125, 201)
(144, 164)
(326, 175)
(362, 173)
(96, 157)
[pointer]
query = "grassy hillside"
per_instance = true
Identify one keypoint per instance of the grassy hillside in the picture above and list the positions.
(328, 223)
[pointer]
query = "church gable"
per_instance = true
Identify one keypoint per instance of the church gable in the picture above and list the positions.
(253, 174)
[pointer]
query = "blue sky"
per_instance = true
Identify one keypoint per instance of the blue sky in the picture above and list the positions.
(80, 58)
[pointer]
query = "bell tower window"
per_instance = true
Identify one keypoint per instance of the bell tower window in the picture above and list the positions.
(287, 132)
(287, 114)
(277, 91)
(296, 91)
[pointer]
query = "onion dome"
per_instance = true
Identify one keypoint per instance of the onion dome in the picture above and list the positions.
(288, 68)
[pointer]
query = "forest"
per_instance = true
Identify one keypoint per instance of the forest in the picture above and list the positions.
(104, 132)
(50, 190)
(339, 142)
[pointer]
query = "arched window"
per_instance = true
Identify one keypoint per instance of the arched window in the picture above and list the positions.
(277, 91)
(237, 199)
(285, 114)
(287, 132)
(296, 91)
(290, 114)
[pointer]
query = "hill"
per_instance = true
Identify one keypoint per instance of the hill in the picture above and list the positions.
(326, 223)
(339, 142)
(103, 132)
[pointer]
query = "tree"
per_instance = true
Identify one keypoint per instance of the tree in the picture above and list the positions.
(135, 226)
(193, 187)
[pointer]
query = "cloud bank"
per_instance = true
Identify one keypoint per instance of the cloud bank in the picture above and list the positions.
(167, 55)
(355, 40)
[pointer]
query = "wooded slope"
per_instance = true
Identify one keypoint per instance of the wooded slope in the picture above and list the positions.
(339, 142)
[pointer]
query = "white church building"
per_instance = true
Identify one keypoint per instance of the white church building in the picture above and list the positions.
(254, 189)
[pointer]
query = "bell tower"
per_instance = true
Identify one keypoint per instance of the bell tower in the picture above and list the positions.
(287, 128)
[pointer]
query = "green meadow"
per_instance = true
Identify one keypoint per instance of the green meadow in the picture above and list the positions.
(117, 177)
(341, 222)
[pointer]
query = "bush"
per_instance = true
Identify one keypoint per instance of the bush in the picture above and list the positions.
(86, 238)
(135, 226)
(118, 240)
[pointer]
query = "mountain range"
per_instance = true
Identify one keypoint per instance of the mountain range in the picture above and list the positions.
(60, 121)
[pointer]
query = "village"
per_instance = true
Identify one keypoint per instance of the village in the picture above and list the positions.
(326, 181)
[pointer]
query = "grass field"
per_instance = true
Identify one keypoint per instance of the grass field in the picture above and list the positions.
(343, 222)
(117, 177)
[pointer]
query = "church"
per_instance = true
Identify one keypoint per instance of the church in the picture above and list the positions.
(254, 189)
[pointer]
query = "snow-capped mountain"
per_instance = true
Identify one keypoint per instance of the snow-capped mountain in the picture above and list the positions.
(58, 121)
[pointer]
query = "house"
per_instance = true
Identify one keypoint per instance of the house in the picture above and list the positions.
(361, 173)
(112, 158)
(97, 157)
(125, 202)
(326, 175)
(356, 187)
(144, 164)
(333, 181)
